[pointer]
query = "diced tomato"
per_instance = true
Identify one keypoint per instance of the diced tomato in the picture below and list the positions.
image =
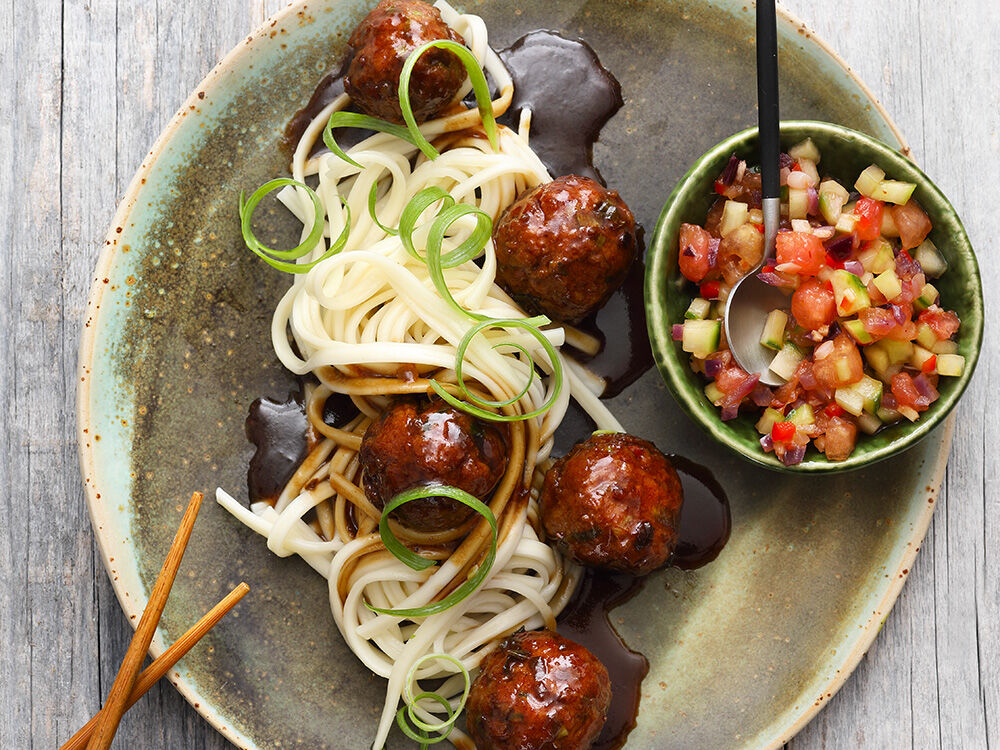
(929, 365)
(804, 249)
(759, 228)
(730, 379)
(813, 305)
(905, 332)
(720, 187)
(912, 223)
(877, 321)
(693, 256)
(782, 432)
(710, 290)
(944, 323)
(796, 167)
(833, 262)
(869, 213)
(906, 392)
(841, 436)
(833, 410)
(840, 367)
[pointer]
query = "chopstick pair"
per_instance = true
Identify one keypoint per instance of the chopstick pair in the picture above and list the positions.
(129, 684)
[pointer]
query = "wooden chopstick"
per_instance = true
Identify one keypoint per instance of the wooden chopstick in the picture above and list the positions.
(110, 715)
(160, 666)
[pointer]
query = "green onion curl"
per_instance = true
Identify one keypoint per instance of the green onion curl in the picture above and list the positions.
(372, 199)
(367, 122)
(414, 561)
(408, 712)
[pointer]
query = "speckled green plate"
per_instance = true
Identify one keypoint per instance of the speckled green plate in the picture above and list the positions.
(176, 346)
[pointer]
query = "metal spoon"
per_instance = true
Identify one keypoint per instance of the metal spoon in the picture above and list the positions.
(751, 299)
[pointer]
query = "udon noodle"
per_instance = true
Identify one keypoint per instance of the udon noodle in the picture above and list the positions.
(368, 322)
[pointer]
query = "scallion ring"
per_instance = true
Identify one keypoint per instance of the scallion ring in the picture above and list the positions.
(479, 87)
(408, 711)
(412, 560)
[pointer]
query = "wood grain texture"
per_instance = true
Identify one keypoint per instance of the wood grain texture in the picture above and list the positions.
(88, 86)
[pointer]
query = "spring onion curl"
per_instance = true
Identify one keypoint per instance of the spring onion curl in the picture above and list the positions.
(416, 562)
(479, 406)
(365, 122)
(279, 258)
(479, 87)
(408, 712)
(372, 200)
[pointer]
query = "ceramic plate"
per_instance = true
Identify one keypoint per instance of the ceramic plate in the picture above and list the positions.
(176, 346)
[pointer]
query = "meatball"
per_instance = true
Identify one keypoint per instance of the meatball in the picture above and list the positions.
(381, 44)
(613, 502)
(564, 247)
(538, 690)
(414, 443)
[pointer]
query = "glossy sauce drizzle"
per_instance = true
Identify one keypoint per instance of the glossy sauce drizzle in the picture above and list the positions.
(704, 529)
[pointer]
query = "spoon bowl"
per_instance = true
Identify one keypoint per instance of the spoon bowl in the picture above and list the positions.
(747, 308)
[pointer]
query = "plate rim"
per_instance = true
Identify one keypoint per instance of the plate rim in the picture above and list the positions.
(133, 602)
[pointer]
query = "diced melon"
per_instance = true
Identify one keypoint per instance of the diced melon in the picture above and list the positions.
(698, 309)
(945, 347)
(832, 197)
(930, 259)
(714, 394)
(773, 336)
(869, 180)
(850, 401)
(734, 215)
(877, 257)
(898, 351)
(849, 293)
(893, 191)
(868, 390)
(798, 203)
(926, 336)
(805, 150)
(887, 282)
(919, 357)
(802, 416)
(769, 419)
(846, 223)
(877, 357)
(701, 337)
(787, 360)
(951, 365)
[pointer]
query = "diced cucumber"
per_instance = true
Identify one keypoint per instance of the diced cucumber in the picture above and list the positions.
(769, 419)
(893, 191)
(773, 336)
(808, 167)
(698, 309)
(878, 257)
(945, 347)
(734, 215)
(714, 394)
(926, 336)
(912, 414)
(888, 228)
(701, 337)
(869, 423)
(877, 357)
(867, 392)
(849, 292)
(846, 222)
(888, 416)
(887, 282)
(787, 360)
(919, 357)
(802, 416)
(930, 259)
(868, 181)
(805, 150)
(898, 351)
(928, 296)
(719, 309)
(798, 203)
(857, 330)
(832, 197)
(951, 365)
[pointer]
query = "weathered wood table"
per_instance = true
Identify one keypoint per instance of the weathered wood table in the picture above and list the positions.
(86, 87)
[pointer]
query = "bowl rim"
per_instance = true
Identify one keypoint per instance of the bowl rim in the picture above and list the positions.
(674, 371)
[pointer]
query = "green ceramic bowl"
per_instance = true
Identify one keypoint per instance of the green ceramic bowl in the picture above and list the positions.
(845, 153)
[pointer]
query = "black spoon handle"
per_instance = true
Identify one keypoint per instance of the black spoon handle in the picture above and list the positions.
(767, 97)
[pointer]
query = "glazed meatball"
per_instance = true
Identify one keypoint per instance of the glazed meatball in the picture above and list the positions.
(538, 691)
(381, 44)
(564, 247)
(415, 443)
(614, 502)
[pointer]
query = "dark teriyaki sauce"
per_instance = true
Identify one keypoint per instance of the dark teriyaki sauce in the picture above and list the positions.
(704, 529)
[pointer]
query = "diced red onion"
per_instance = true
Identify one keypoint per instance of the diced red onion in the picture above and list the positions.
(855, 267)
(925, 389)
(785, 161)
(742, 390)
(834, 330)
(807, 378)
(728, 175)
(907, 266)
(713, 251)
(688, 252)
(772, 278)
(677, 331)
(713, 367)
(794, 455)
(730, 411)
(767, 443)
(813, 196)
(889, 401)
(761, 395)
(840, 247)
(898, 314)
(783, 175)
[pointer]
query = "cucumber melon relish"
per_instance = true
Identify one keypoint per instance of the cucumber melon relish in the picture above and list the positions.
(864, 338)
